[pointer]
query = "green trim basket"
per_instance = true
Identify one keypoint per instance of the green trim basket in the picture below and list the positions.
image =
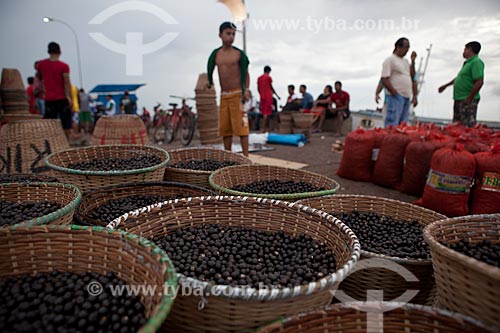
(28, 249)
(67, 195)
(224, 179)
(198, 177)
(89, 180)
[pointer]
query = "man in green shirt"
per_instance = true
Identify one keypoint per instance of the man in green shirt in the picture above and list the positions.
(466, 86)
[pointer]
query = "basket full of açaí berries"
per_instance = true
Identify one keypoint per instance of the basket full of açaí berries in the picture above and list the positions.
(37, 203)
(395, 258)
(68, 279)
(466, 258)
(274, 182)
(194, 165)
(244, 262)
(100, 207)
(99, 166)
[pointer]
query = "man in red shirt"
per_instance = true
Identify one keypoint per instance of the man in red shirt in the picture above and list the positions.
(341, 111)
(55, 76)
(266, 91)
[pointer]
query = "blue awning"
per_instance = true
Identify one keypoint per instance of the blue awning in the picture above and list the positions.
(110, 88)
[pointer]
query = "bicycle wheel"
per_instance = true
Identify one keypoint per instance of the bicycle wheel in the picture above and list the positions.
(187, 128)
(169, 130)
(159, 133)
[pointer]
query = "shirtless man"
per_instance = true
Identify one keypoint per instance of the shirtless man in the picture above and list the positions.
(232, 65)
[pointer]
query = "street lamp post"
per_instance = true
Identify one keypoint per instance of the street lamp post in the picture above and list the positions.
(50, 19)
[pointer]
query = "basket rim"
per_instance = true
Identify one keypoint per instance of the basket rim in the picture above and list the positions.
(269, 293)
(108, 173)
(378, 306)
(164, 307)
(200, 172)
(369, 254)
(56, 214)
(279, 196)
(79, 219)
(456, 256)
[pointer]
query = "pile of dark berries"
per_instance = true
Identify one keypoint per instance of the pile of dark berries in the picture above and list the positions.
(203, 165)
(23, 177)
(112, 164)
(60, 302)
(243, 256)
(387, 236)
(485, 251)
(117, 207)
(12, 212)
(277, 187)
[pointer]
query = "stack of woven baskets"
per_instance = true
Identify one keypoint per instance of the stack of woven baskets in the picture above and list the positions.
(120, 129)
(13, 96)
(208, 113)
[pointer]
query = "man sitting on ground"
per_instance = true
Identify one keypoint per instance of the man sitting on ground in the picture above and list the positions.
(293, 100)
(341, 111)
(307, 100)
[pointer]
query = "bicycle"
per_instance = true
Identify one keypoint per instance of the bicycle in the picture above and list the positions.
(174, 119)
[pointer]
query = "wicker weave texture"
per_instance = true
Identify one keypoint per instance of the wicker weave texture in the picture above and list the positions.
(238, 310)
(198, 177)
(93, 199)
(90, 180)
(31, 250)
(387, 318)
(66, 195)
(120, 129)
(387, 279)
(224, 179)
(465, 284)
(24, 145)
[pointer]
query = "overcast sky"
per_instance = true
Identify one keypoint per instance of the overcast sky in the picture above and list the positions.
(313, 42)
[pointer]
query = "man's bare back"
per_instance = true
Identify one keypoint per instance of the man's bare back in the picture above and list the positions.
(228, 66)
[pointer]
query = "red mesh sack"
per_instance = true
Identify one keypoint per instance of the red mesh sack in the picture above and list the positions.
(448, 184)
(389, 165)
(486, 193)
(356, 163)
(418, 157)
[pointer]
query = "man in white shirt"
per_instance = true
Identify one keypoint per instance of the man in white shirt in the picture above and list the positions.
(252, 110)
(110, 106)
(397, 78)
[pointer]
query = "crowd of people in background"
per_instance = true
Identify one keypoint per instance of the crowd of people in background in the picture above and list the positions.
(51, 94)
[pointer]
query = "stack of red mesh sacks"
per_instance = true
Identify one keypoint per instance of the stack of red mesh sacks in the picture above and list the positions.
(406, 158)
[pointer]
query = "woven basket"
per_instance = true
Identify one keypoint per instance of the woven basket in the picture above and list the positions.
(303, 120)
(120, 129)
(93, 199)
(239, 309)
(385, 317)
(224, 179)
(90, 180)
(26, 143)
(391, 282)
(66, 195)
(75, 249)
(198, 177)
(27, 178)
(465, 284)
